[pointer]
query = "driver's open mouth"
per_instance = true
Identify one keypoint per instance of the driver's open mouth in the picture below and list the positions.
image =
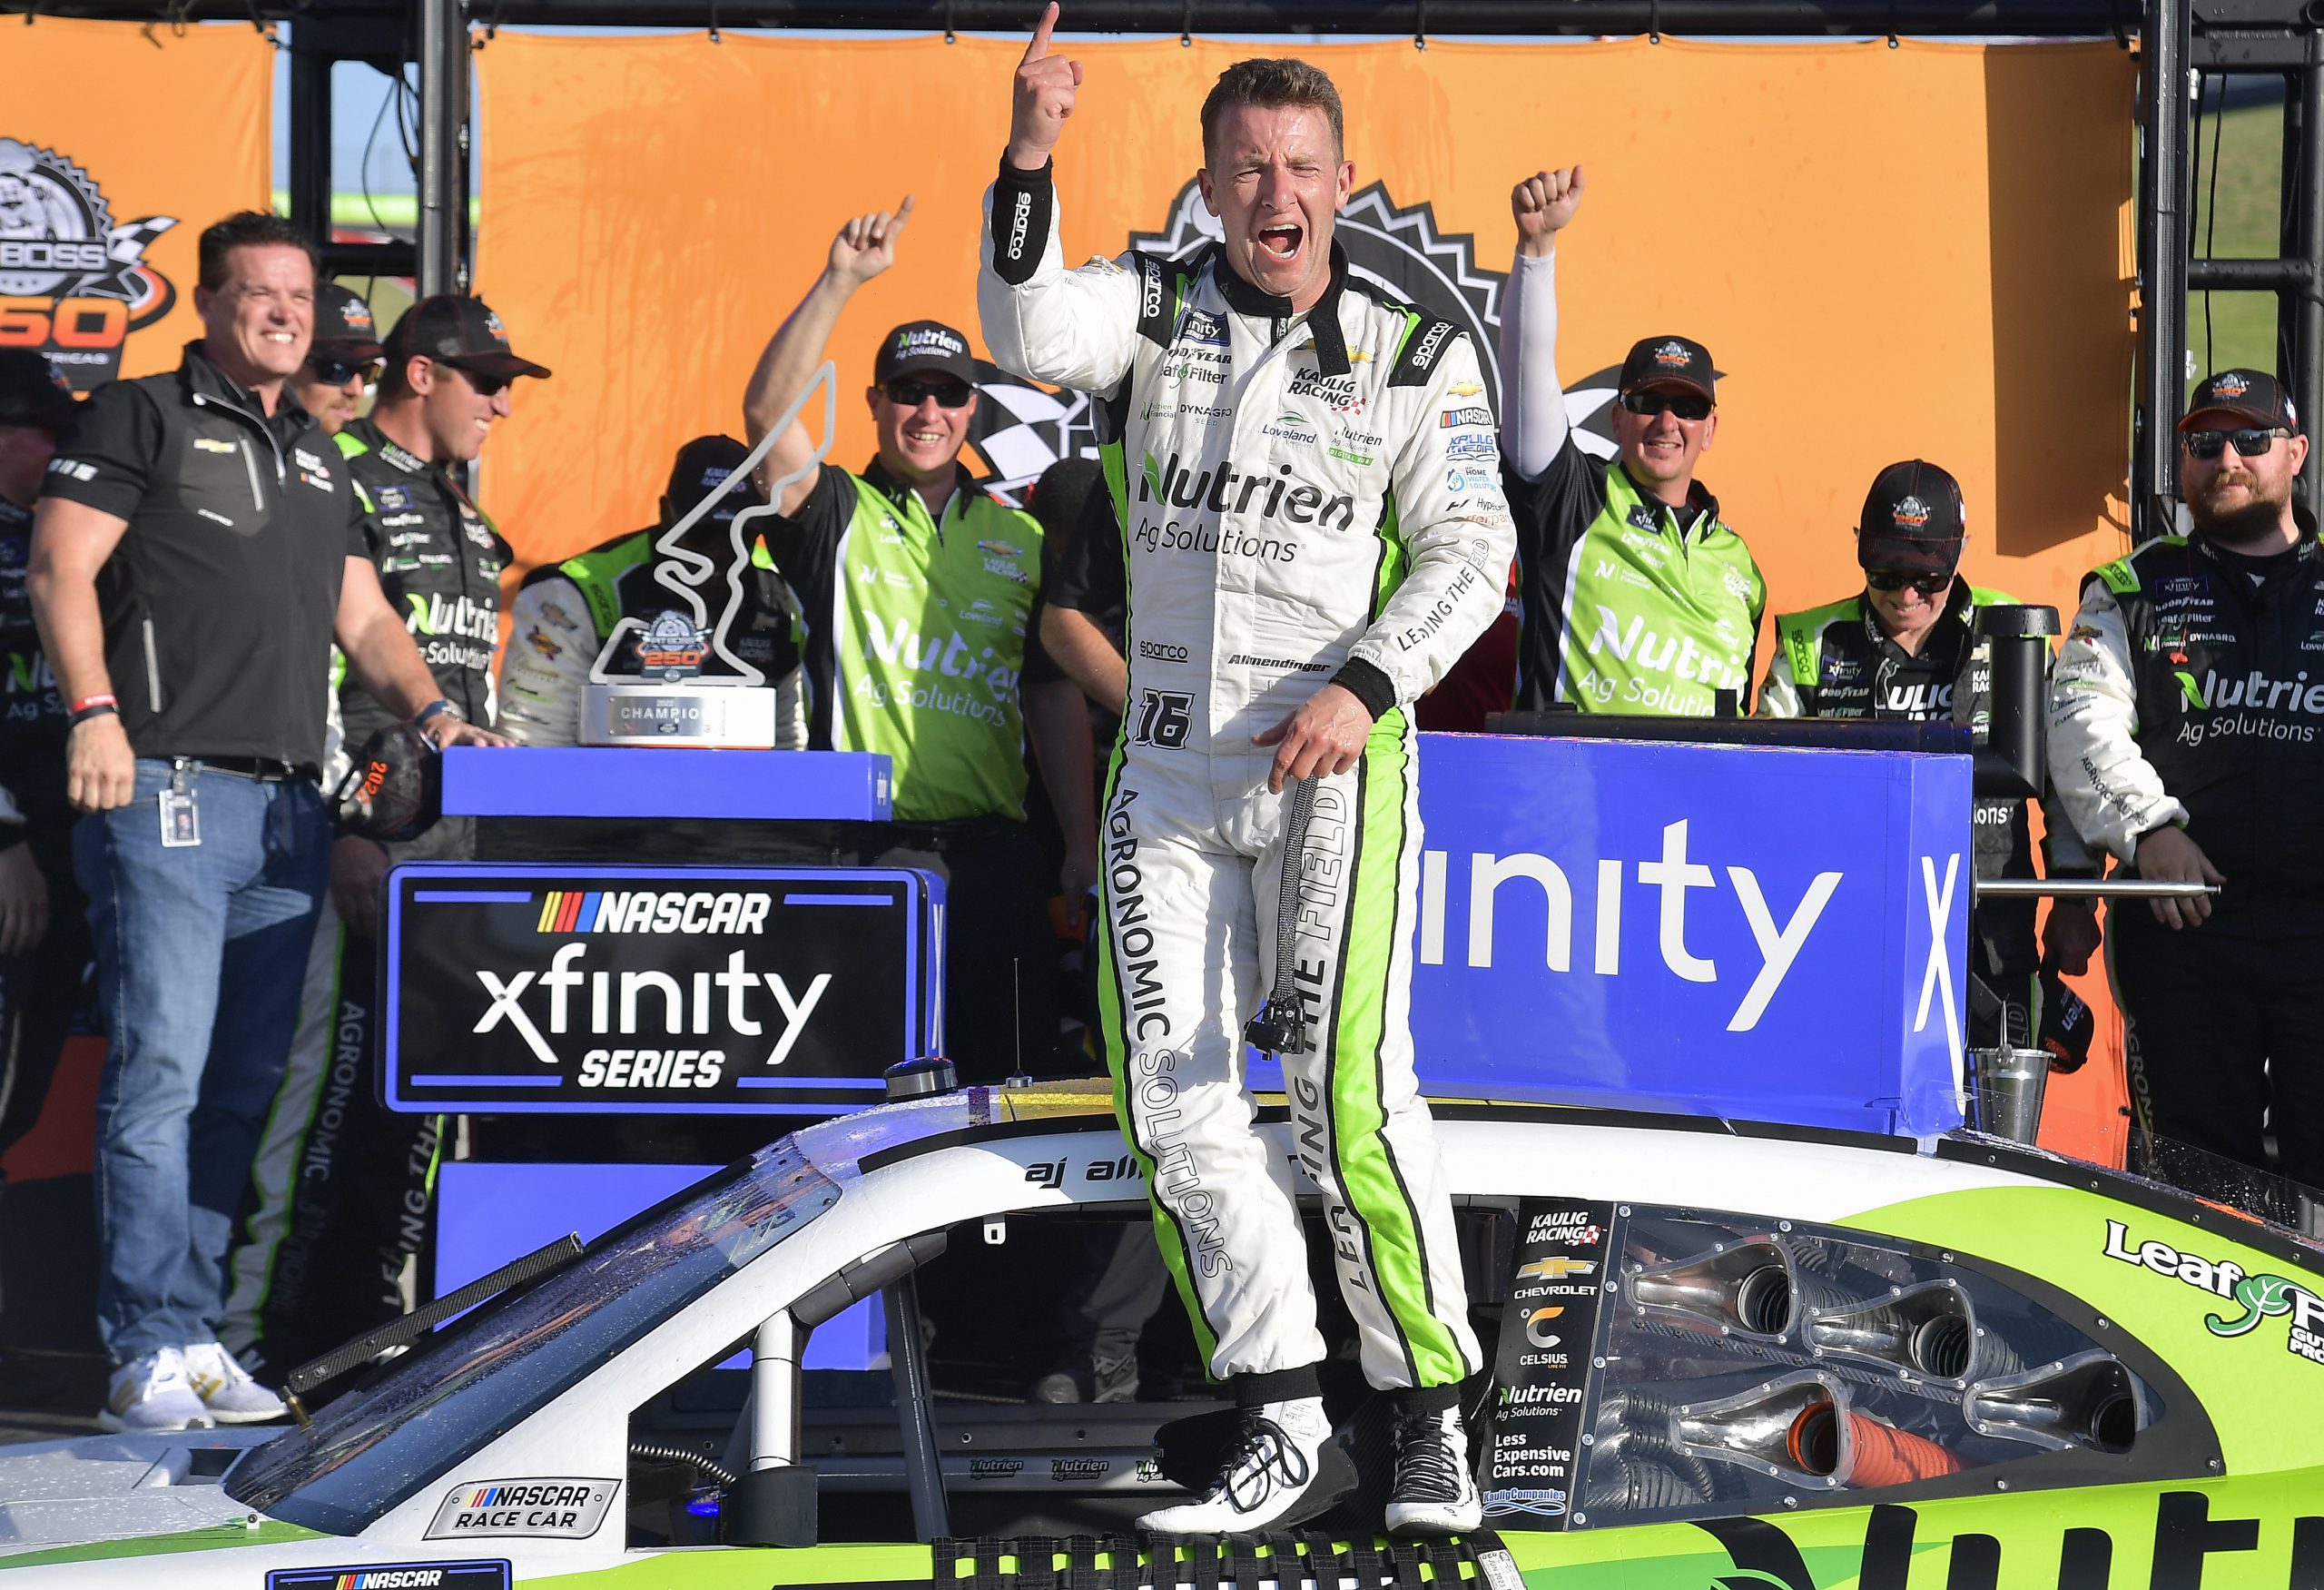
(1282, 241)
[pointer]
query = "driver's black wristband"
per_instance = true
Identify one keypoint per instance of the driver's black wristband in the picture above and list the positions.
(1024, 202)
(1368, 685)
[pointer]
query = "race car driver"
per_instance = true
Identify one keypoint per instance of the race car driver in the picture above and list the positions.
(1906, 647)
(342, 1184)
(564, 611)
(2186, 737)
(342, 361)
(918, 588)
(1636, 597)
(1308, 550)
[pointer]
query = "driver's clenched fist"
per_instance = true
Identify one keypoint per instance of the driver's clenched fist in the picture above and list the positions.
(1046, 86)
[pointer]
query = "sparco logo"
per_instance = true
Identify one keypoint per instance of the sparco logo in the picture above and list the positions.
(77, 281)
(1160, 653)
(1020, 218)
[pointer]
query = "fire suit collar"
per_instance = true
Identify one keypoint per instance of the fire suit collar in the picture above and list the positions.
(901, 493)
(1702, 505)
(1246, 297)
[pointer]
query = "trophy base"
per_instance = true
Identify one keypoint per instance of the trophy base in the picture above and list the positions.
(686, 712)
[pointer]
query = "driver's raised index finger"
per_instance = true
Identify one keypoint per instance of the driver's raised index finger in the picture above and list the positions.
(902, 214)
(1039, 48)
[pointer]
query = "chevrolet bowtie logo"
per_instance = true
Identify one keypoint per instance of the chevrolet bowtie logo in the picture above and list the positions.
(1557, 1269)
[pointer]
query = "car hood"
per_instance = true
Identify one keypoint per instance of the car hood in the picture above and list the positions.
(126, 1489)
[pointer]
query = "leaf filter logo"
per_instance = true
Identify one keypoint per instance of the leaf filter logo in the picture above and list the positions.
(73, 282)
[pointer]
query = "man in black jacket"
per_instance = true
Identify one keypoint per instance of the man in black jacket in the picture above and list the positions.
(197, 551)
(336, 1213)
(2186, 737)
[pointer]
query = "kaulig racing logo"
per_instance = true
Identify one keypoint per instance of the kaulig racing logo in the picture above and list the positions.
(74, 284)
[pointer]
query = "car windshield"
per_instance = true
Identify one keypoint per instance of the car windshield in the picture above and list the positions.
(370, 1449)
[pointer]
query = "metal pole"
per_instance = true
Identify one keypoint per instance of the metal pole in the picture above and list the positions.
(775, 1392)
(443, 147)
(310, 131)
(2307, 371)
(907, 1361)
(2162, 266)
(2087, 889)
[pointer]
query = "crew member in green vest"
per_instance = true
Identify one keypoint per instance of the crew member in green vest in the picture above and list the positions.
(1905, 648)
(565, 611)
(918, 590)
(1635, 597)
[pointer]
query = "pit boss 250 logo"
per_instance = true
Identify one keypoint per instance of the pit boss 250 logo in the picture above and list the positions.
(74, 284)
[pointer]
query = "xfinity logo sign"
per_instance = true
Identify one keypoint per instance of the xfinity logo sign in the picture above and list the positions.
(1761, 933)
(1660, 884)
(783, 990)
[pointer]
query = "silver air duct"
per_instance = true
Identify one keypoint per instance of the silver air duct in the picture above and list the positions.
(1790, 1428)
(1928, 1331)
(1744, 1289)
(2086, 1400)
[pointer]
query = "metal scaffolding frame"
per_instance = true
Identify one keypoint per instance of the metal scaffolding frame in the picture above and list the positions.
(2181, 43)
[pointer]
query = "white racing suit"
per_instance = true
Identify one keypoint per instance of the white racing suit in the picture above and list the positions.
(1307, 499)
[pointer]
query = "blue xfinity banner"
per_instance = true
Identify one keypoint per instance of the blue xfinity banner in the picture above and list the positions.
(1771, 934)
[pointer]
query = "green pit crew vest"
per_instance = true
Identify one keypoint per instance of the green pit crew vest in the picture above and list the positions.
(927, 626)
(1656, 622)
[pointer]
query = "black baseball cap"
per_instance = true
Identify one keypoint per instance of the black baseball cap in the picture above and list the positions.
(1912, 521)
(1669, 361)
(704, 465)
(394, 790)
(918, 345)
(462, 331)
(343, 324)
(2254, 398)
(33, 391)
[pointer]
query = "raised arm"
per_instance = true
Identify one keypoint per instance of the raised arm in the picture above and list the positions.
(1532, 405)
(1040, 320)
(864, 247)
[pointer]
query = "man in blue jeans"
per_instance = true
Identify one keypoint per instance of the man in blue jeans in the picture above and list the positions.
(196, 550)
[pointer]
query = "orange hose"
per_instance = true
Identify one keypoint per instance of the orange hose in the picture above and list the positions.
(1881, 1453)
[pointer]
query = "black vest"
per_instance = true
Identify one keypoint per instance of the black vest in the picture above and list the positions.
(2230, 678)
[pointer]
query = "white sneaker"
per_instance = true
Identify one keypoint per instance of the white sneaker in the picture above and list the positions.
(154, 1393)
(1269, 1478)
(226, 1388)
(1434, 1493)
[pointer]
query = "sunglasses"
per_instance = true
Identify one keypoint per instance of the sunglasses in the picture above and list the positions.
(2250, 442)
(338, 372)
(1896, 579)
(1685, 406)
(951, 393)
(487, 386)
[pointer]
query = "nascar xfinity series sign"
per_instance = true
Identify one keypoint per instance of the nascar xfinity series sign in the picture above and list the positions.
(768, 990)
(1774, 934)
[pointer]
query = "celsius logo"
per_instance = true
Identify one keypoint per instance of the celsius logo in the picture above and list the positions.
(77, 278)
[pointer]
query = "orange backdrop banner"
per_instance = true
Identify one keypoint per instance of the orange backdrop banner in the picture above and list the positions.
(1918, 251)
(119, 143)
(1891, 252)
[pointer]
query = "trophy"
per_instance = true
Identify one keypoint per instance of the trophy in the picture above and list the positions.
(668, 697)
